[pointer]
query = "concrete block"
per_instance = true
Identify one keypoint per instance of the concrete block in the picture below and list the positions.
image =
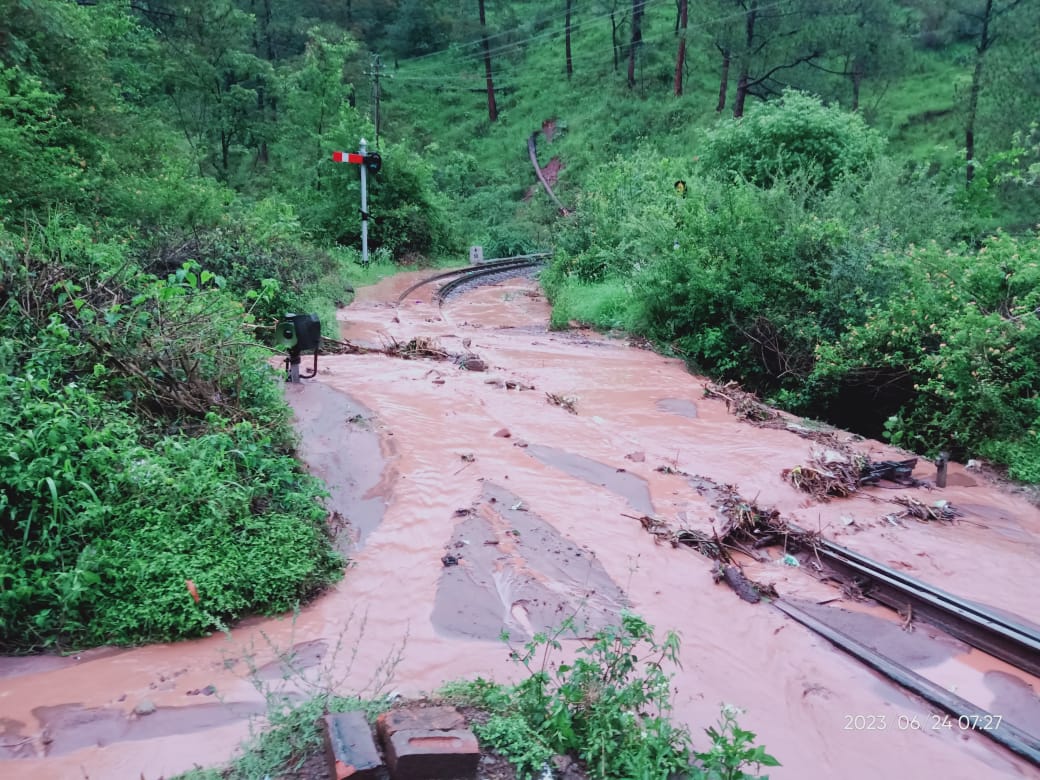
(350, 747)
(432, 754)
(417, 719)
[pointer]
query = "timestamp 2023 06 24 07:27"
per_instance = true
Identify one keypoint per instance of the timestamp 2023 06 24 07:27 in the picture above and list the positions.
(930, 722)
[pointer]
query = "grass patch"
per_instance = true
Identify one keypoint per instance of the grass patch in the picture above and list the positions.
(604, 305)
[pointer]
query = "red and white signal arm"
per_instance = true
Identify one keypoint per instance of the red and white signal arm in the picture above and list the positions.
(348, 157)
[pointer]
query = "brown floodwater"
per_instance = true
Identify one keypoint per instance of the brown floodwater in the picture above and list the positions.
(457, 532)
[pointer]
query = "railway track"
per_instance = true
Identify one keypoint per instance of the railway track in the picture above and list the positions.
(461, 276)
(977, 625)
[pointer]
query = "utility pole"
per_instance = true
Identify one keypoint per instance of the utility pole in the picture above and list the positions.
(375, 72)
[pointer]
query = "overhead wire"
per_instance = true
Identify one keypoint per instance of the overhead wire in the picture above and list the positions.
(522, 43)
(699, 29)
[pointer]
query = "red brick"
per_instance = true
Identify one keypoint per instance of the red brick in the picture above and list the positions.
(432, 754)
(417, 719)
(351, 750)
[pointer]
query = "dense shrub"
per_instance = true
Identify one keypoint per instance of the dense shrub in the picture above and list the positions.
(794, 135)
(961, 338)
(145, 445)
(611, 706)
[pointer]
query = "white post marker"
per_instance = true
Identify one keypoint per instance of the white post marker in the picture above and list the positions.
(361, 160)
(362, 148)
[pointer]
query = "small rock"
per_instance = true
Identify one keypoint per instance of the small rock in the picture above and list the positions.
(472, 363)
(209, 690)
(450, 560)
(503, 433)
(144, 707)
(636, 457)
(520, 443)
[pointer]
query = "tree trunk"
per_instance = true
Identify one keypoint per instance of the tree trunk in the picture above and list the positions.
(857, 81)
(492, 108)
(976, 87)
(570, 64)
(680, 59)
(723, 80)
(742, 89)
(614, 40)
(637, 39)
(745, 60)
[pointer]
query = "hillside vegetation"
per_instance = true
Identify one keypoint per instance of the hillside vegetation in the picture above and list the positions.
(856, 246)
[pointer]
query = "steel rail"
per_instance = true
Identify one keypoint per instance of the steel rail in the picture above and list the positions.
(479, 272)
(967, 715)
(977, 625)
(501, 263)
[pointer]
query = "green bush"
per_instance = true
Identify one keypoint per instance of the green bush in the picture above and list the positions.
(101, 526)
(610, 706)
(147, 444)
(961, 337)
(796, 135)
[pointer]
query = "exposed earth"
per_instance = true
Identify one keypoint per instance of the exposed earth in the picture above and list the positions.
(471, 502)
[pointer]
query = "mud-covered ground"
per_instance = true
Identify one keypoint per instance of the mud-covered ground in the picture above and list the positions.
(472, 504)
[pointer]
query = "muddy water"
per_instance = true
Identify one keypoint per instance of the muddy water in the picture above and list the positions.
(416, 450)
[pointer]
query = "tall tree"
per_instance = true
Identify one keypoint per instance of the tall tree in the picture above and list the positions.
(492, 108)
(764, 39)
(987, 19)
(680, 58)
(567, 45)
(638, 7)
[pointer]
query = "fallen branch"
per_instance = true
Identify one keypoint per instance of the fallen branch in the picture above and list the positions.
(565, 401)
(940, 510)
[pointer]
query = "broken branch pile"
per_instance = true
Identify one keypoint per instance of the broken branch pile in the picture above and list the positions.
(565, 401)
(742, 404)
(835, 473)
(418, 347)
(940, 510)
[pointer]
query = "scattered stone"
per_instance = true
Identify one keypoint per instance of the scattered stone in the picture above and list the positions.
(503, 433)
(636, 457)
(350, 748)
(471, 362)
(468, 457)
(450, 560)
(520, 443)
(566, 768)
(145, 707)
